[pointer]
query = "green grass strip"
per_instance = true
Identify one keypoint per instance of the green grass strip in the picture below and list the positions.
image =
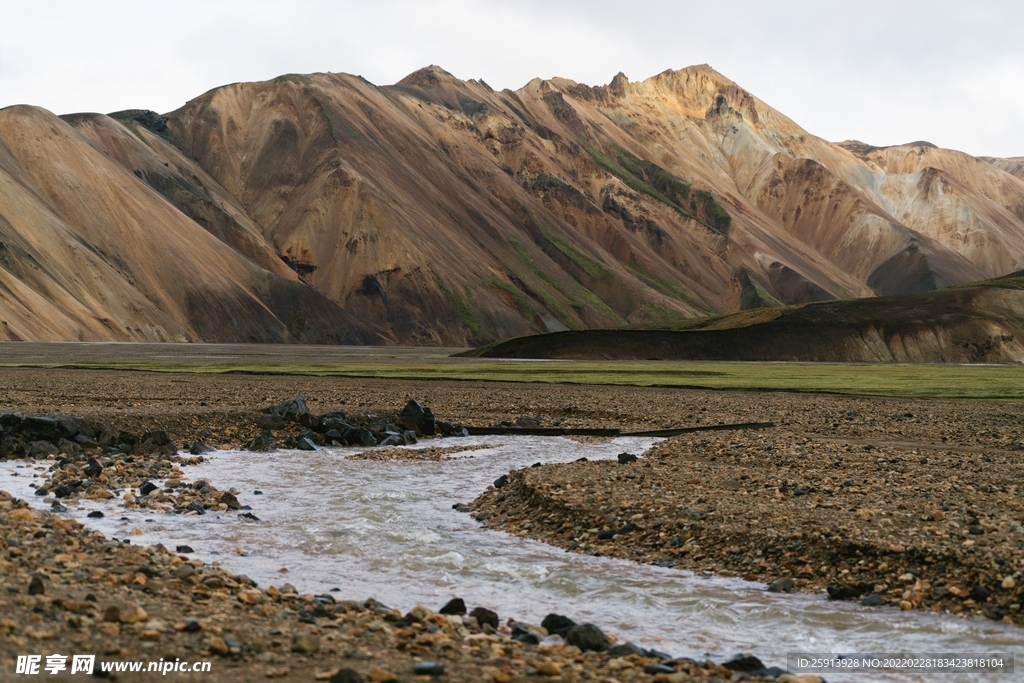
(992, 382)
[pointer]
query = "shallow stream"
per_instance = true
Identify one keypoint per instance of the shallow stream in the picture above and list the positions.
(387, 530)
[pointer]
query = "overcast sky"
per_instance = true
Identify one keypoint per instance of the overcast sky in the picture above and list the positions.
(882, 71)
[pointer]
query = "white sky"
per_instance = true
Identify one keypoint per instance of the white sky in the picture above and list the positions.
(882, 71)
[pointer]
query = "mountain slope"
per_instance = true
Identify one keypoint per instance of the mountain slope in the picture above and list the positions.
(90, 252)
(440, 211)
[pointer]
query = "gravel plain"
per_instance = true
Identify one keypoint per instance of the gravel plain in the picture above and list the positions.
(914, 504)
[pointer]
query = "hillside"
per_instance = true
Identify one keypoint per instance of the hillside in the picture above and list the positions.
(978, 323)
(322, 208)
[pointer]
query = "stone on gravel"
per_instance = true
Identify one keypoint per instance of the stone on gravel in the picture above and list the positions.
(485, 616)
(783, 585)
(659, 669)
(549, 668)
(261, 443)
(346, 676)
(626, 458)
(305, 642)
(501, 481)
(626, 649)
(744, 663)
(35, 586)
(184, 571)
(453, 606)
(217, 646)
(837, 592)
(587, 637)
(428, 669)
(557, 624)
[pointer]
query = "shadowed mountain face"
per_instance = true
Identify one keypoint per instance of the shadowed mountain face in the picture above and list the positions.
(435, 211)
(983, 323)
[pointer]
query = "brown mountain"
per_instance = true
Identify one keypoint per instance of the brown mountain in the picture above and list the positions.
(323, 208)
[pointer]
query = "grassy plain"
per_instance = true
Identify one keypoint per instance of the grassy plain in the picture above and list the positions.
(989, 382)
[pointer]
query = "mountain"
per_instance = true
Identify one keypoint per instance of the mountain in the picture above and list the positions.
(324, 209)
(978, 323)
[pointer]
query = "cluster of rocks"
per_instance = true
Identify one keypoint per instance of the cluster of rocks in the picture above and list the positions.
(34, 437)
(94, 461)
(156, 483)
(883, 523)
(338, 429)
(69, 588)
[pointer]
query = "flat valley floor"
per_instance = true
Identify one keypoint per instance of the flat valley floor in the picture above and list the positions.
(900, 503)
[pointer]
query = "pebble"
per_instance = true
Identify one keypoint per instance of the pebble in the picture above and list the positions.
(305, 642)
(428, 669)
(217, 646)
(549, 668)
(346, 676)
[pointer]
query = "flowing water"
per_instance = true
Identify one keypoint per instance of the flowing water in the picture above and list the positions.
(387, 530)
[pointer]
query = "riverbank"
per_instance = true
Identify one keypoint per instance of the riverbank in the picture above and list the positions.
(879, 445)
(885, 522)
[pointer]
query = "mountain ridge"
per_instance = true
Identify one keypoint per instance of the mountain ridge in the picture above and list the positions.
(438, 211)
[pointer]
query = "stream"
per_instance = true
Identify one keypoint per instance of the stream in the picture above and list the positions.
(386, 529)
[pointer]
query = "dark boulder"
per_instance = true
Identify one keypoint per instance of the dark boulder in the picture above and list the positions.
(360, 436)
(980, 594)
(230, 500)
(744, 663)
(626, 458)
(840, 592)
(40, 429)
(147, 488)
(294, 410)
(261, 443)
(346, 676)
(36, 586)
(391, 439)
(557, 624)
(39, 449)
(68, 447)
(524, 635)
(587, 637)
(417, 418)
(485, 616)
(270, 422)
(454, 606)
(156, 443)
